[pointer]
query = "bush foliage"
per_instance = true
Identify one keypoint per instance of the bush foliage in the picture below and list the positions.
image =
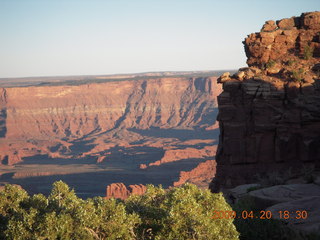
(308, 52)
(178, 213)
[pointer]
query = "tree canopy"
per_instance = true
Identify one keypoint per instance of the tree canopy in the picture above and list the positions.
(177, 213)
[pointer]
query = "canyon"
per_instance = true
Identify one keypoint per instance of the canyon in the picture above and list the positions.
(119, 131)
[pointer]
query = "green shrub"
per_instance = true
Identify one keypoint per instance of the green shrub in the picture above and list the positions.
(63, 216)
(308, 52)
(270, 64)
(298, 75)
(181, 213)
(10, 199)
(291, 62)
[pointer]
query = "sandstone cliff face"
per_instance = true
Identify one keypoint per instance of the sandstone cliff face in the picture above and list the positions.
(269, 113)
(75, 111)
(47, 118)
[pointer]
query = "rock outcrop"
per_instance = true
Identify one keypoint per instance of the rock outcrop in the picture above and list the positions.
(187, 153)
(269, 112)
(199, 175)
(119, 190)
(280, 41)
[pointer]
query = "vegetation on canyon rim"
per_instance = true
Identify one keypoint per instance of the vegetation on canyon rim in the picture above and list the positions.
(177, 213)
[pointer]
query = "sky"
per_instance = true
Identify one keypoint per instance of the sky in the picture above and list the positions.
(95, 37)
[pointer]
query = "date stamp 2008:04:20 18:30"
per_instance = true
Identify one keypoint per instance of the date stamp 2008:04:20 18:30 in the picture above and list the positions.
(285, 214)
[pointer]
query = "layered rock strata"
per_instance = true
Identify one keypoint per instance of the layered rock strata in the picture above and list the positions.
(269, 112)
(47, 119)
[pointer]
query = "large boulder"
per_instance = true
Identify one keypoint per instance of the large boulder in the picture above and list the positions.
(269, 26)
(311, 20)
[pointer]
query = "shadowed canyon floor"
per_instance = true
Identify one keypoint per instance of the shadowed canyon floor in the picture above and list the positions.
(158, 130)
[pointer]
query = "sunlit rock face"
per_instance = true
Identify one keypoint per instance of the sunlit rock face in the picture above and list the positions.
(269, 112)
(68, 113)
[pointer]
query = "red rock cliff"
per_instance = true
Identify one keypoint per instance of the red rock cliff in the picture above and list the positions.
(269, 112)
(36, 114)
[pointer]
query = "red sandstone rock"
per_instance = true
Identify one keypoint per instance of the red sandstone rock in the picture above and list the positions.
(101, 159)
(40, 117)
(311, 20)
(269, 26)
(137, 189)
(281, 44)
(143, 166)
(119, 190)
(286, 23)
(187, 153)
(204, 172)
(62, 110)
(270, 122)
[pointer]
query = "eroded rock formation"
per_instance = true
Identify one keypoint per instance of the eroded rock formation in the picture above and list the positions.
(173, 155)
(269, 112)
(280, 41)
(198, 175)
(119, 190)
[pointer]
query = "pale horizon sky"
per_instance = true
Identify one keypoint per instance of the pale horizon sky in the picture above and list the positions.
(95, 37)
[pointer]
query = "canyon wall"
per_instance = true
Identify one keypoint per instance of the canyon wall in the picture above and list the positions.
(48, 119)
(269, 112)
(76, 111)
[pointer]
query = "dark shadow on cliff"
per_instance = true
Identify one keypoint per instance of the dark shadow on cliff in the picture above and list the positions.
(46, 160)
(91, 184)
(124, 157)
(281, 130)
(173, 169)
(3, 118)
(181, 134)
(131, 157)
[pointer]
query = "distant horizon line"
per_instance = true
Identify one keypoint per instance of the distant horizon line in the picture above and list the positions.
(118, 74)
